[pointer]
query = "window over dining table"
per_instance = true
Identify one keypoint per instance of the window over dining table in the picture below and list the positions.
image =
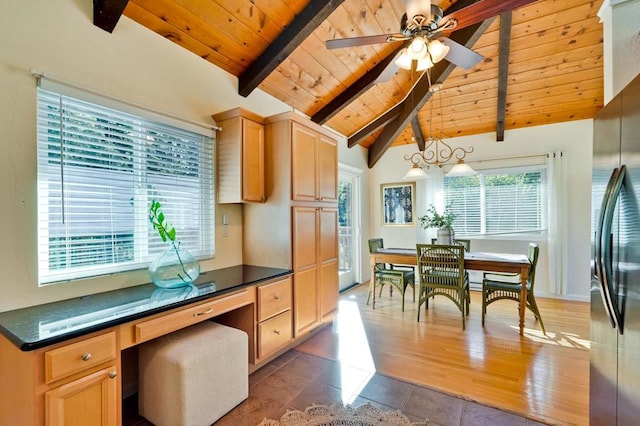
(498, 201)
(99, 168)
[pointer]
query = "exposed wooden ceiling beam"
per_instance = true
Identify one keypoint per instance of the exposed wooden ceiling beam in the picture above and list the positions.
(293, 35)
(503, 72)
(417, 132)
(376, 124)
(420, 93)
(356, 89)
(107, 13)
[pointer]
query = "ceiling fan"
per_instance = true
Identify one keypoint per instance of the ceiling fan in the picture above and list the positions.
(422, 26)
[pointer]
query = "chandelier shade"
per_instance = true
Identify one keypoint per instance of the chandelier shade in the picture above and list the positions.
(436, 151)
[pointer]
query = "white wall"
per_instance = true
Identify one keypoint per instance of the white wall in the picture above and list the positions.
(574, 138)
(621, 30)
(132, 63)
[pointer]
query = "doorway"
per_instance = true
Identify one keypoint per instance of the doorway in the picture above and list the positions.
(348, 225)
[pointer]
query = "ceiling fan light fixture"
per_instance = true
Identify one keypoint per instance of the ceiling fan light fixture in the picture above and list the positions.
(461, 169)
(404, 60)
(423, 64)
(418, 48)
(438, 50)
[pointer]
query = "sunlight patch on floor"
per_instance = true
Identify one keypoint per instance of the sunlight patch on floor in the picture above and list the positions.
(566, 340)
(354, 354)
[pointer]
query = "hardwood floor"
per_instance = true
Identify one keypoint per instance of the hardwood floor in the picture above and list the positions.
(537, 376)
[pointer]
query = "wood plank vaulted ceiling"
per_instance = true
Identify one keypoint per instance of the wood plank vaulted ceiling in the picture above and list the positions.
(555, 62)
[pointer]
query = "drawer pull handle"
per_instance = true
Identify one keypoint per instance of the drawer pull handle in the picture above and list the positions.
(86, 357)
(113, 374)
(276, 332)
(276, 297)
(208, 311)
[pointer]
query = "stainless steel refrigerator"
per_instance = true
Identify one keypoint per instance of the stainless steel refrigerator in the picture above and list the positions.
(615, 263)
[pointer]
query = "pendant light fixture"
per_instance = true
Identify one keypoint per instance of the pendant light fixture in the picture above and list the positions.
(436, 151)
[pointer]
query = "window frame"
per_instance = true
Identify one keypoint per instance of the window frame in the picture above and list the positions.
(525, 234)
(145, 249)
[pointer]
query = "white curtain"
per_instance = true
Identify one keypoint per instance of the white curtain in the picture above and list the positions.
(557, 219)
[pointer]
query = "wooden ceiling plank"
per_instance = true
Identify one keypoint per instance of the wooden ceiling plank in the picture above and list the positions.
(420, 93)
(503, 72)
(227, 25)
(107, 13)
(292, 36)
(187, 22)
(176, 35)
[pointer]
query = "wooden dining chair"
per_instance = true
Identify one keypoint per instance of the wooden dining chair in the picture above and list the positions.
(499, 286)
(398, 276)
(441, 272)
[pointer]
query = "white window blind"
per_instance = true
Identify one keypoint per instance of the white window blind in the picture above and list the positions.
(98, 170)
(498, 201)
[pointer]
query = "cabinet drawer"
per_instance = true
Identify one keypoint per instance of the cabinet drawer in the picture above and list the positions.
(274, 298)
(165, 324)
(76, 357)
(273, 334)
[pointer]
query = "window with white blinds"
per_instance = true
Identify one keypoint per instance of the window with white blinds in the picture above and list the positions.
(498, 201)
(98, 171)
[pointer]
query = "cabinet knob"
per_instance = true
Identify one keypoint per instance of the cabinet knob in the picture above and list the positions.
(86, 357)
(113, 374)
(276, 297)
(276, 332)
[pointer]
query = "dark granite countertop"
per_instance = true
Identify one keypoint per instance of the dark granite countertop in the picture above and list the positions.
(42, 325)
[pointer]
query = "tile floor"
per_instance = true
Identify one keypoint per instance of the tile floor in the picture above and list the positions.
(296, 380)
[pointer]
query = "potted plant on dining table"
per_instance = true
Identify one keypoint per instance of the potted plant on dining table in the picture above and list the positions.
(442, 221)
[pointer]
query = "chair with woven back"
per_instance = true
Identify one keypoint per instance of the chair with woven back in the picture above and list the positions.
(498, 286)
(396, 276)
(441, 272)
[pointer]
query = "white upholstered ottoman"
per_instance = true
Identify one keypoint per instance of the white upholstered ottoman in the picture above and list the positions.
(193, 376)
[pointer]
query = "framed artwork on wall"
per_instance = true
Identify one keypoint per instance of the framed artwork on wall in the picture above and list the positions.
(398, 204)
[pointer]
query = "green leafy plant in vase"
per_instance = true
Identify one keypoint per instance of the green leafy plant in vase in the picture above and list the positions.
(175, 267)
(443, 222)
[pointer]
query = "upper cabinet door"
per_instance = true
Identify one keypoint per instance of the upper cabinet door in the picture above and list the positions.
(327, 169)
(303, 163)
(252, 161)
(314, 165)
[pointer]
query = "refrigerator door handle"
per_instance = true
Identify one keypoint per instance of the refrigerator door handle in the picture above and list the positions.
(598, 249)
(606, 260)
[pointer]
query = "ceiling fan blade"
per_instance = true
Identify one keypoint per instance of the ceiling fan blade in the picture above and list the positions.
(338, 43)
(460, 55)
(479, 11)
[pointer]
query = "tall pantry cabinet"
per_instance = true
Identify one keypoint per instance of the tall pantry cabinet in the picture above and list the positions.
(297, 227)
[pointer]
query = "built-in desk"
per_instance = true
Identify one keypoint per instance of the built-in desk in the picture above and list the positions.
(60, 363)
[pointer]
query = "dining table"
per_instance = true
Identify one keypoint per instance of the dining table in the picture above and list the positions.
(479, 261)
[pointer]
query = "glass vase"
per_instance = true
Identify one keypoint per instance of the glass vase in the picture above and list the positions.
(445, 236)
(174, 268)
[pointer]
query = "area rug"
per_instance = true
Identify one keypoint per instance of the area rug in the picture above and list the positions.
(342, 415)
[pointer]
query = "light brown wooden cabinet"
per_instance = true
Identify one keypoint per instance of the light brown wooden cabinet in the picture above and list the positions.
(240, 157)
(91, 400)
(297, 227)
(274, 317)
(71, 383)
(314, 165)
(315, 265)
